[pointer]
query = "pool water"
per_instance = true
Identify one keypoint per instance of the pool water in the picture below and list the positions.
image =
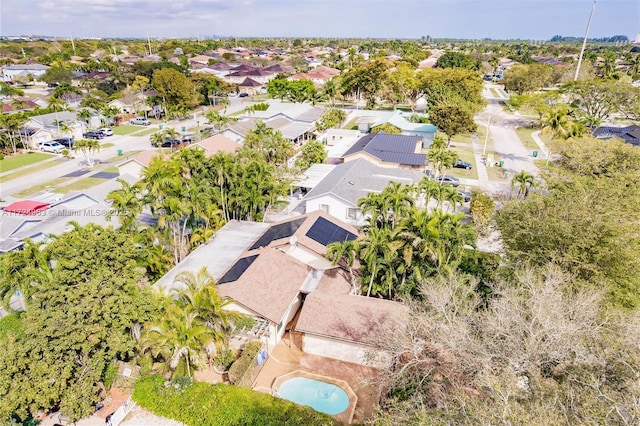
(321, 396)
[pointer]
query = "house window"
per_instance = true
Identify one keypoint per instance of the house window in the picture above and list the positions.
(324, 208)
(353, 213)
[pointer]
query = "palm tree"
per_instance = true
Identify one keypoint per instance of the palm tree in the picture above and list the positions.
(345, 252)
(84, 115)
(330, 90)
(88, 147)
(378, 249)
(200, 295)
(222, 164)
(634, 65)
(557, 121)
(452, 195)
(178, 337)
(524, 181)
(608, 65)
(126, 202)
(397, 200)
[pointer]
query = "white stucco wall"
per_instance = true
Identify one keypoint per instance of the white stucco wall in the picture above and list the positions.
(343, 351)
(131, 168)
(337, 209)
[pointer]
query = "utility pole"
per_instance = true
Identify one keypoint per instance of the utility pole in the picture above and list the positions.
(486, 137)
(73, 45)
(584, 42)
(149, 43)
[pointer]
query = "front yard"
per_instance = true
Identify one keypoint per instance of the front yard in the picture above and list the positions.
(21, 160)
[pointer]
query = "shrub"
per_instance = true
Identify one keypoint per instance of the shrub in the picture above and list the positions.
(387, 128)
(481, 210)
(245, 362)
(222, 405)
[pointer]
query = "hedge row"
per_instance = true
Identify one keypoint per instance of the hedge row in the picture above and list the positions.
(245, 362)
(202, 404)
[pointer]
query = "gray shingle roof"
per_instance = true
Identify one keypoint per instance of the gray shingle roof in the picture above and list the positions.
(390, 148)
(353, 180)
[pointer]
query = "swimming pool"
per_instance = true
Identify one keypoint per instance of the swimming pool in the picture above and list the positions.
(321, 396)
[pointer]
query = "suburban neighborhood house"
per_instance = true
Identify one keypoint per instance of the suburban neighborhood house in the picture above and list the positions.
(385, 150)
(338, 193)
(269, 271)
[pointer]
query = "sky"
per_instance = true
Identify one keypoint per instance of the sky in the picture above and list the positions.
(471, 19)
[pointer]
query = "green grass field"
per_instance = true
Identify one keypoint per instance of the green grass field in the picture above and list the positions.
(80, 185)
(106, 145)
(527, 140)
(21, 160)
(28, 170)
(146, 132)
(465, 153)
(41, 187)
(125, 129)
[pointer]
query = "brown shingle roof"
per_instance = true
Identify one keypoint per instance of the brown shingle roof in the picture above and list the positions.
(268, 285)
(356, 319)
(217, 143)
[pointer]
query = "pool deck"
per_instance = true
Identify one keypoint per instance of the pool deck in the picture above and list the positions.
(286, 359)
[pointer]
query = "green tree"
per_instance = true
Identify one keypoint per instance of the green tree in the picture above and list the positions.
(387, 128)
(88, 147)
(174, 88)
(524, 182)
(331, 118)
(482, 209)
(313, 152)
(76, 325)
(452, 116)
(457, 60)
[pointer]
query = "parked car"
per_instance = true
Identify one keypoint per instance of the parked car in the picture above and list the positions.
(188, 138)
(243, 95)
(448, 180)
(462, 165)
(105, 131)
(53, 146)
(140, 121)
(67, 142)
(93, 134)
(465, 195)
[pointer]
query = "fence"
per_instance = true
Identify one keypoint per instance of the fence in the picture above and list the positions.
(254, 369)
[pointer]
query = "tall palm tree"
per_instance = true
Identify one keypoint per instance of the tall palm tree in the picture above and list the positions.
(524, 182)
(200, 295)
(557, 121)
(397, 200)
(452, 195)
(377, 249)
(88, 147)
(126, 202)
(84, 115)
(178, 337)
(634, 65)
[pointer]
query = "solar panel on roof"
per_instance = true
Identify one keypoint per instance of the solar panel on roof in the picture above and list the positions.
(237, 269)
(326, 232)
(276, 232)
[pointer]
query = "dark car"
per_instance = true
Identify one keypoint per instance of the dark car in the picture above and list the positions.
(168, 143)
(462, 165)
(448, 180)
(243, 95)
(466, 196)
(67, 142)
(93, 134)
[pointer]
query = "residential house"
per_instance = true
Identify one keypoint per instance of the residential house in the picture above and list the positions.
(215, 144)
(251, 87)
(17, 104)
(338, 193)
(237, 76)
(630, 134)
(400, 120)
(36, 71)
(53, 122)
(135, 165)
(268, 271)
(385, 150)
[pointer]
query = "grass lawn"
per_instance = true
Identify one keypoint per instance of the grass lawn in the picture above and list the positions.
(126, 155)
(465, 153)
(351, 125)
(527, 140)
(146, 132)
(41, 187)
(21, 160)
(80, 185)
(107, 145)
(495, 173)
(112, 169)
(125, 129)
(28, 171)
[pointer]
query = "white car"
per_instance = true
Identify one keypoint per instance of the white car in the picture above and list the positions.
(106, 131)
(55, 147)
(140, 121)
